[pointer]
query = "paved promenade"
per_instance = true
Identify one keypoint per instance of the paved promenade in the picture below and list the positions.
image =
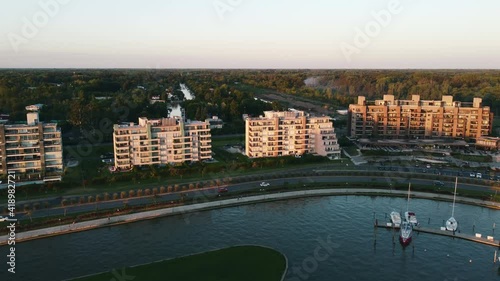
(190, 209)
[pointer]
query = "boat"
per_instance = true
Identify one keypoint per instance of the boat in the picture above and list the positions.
(395, 218)
(405, 233)
(406, 229)
(410, 217)
(451, 223)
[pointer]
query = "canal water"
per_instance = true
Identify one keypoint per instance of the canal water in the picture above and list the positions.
(328, 238)
(176, 109)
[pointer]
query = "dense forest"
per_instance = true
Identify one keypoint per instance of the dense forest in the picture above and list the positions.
(85, 102)
(81, 99)
(341, 87)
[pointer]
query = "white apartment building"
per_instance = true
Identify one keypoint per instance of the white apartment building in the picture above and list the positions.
(290, 133)
(32, 151)
(161, 141)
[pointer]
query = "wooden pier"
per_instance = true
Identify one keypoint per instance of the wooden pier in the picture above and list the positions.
(490, 241)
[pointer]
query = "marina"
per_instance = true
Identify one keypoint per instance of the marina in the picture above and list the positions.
(478, 238)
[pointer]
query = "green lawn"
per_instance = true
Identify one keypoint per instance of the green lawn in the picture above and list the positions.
(472, 158)
(352, 150)
(243, 263)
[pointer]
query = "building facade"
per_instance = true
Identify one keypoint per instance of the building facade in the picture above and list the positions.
(32, 151)
(161, 141)
(290, 133)
(416, 118)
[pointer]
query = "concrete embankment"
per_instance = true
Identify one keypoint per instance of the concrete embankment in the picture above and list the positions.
(188, 210)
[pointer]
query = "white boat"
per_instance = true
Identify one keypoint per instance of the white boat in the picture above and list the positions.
(395, 218)
(410, 217)
(405, 233)
(406, 229)
(451, 223)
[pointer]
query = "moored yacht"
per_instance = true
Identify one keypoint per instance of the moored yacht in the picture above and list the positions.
(405, 233)
(395, 218)
(451, 223)
(410, 217)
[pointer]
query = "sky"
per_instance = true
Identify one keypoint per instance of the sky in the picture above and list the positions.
(331, 34)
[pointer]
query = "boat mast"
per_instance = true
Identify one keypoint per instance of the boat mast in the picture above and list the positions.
(454, 195)
(408, 202)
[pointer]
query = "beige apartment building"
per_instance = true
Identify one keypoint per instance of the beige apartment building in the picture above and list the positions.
(32, 151)
(416, 118)
(161, 141)
(290, 133)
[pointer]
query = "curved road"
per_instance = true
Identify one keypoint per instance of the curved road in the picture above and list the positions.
(203, 195)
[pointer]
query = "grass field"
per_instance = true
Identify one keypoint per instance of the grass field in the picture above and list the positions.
(243, 263)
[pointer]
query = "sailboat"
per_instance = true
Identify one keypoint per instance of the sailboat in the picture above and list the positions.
(451, 223)
(406, 229)
(410, 217)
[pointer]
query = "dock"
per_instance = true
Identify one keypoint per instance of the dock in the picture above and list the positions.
(478, 238)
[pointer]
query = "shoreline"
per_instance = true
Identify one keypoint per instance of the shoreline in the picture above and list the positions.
(188, 210)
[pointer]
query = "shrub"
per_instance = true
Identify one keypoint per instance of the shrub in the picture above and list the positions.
(155, 190)
(147, 191)
(131, 193)
(106, 196)
(162, 189)
(123, 195)
(90, 199)
(98, 198)
(115, 196)
(139, 192)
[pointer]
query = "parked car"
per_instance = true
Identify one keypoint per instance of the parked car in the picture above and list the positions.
(264, 184)
(223, 190)
(438, 183)
(472, 175)
(2, 219)
(479, 176)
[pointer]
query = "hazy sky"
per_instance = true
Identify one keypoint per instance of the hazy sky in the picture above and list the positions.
(250, 33)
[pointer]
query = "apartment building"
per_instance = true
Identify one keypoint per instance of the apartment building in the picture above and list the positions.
(161, 141)
(32, 151)
(290, 133)
(416, 118)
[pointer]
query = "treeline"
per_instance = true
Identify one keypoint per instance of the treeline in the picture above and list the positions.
(84, 102)
(341, 87)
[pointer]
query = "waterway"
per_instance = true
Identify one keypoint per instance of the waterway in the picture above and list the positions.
(176, 109)
(356, 250)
